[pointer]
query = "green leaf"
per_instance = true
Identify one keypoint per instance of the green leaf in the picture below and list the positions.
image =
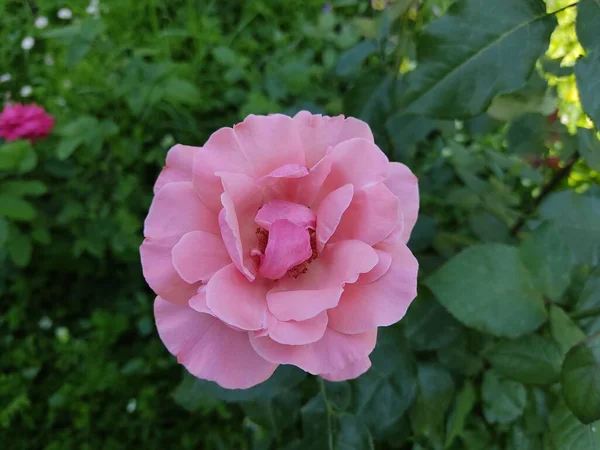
(436, 389)
(530, 359)
(580, 380)
(423, 233)
(459, 359)
(503, 400)
(549, 260)
(487, 288)
(520, 439)
(564, 331)
(384, 393)
(352, 58)
(3, 232)
(458, 77)
(528, 134)
(588, 23)
(339, 394)
(16, 208)
(178, 90)
(589, 147)
(225, 56)
(20, 249)
(423, 322)
(18, 156)
(586, 73)
(352, 434)
(569, 433)
(463, 404)
(276, 413)
(20, 188)
(578, 220)
(555, 67)
(317, 424)
(589, 299)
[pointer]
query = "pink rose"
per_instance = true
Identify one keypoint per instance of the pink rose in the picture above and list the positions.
(281, 241)
(25, 122)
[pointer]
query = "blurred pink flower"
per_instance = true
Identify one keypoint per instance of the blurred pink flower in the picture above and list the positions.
(281, 241)
(30, 122)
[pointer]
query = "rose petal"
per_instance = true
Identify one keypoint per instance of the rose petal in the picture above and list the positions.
(330, 213)
(237, 301)
(178, 166)
(198, 255)
(381, 303)
(176, 210)
(208, 348)
(198, 301)
(161, 276)
(404, 184)
(288, 246)
(331, 354)
(321, 286)
(280, 209)
(383, 265)
(297, 333)
(373, 214)
(351, 371)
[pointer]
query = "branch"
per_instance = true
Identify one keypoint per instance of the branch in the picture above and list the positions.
(547, 189)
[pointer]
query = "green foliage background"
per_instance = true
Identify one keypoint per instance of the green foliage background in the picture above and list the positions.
(493, 104)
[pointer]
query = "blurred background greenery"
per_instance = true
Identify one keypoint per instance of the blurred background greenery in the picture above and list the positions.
(81, 365)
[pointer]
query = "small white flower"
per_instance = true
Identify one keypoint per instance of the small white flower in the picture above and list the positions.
(92, 10)
(26, 91)
(27, 43)
(48, 60)
(65, 13)
(45, 323)
(131, 405)
(4, 78)
(41, 22)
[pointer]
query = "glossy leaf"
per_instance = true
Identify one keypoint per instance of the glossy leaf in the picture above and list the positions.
(503, 400)
(564, 331)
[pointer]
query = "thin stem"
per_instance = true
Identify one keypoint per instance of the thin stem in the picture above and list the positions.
(563, 8)
(547, 189)
(328, 410)
(586, 313)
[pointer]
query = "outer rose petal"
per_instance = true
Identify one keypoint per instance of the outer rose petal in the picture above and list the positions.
(237, 301)
(198, 255)
(176, 210)
(178, 167)
(208, 348)
(280, 209)
(330, 213)
(371, 217)
(331, 354)
(288, 246)
(161, 276)
(383, 265)
(321, 286)
(321, 132)
(403, 183)
(381, 303)
(221, 153)
(351, 371)
(269, 142)
(297, 333)
(198, 301)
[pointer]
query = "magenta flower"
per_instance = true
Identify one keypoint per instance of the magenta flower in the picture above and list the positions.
(281, 241)
(29, 122)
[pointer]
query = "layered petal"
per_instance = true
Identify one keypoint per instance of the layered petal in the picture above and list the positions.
(351, 371)
(293, 332)
(176, 210)
(208, 348)
(383, 265)
(330, 354)
(198, 255)
(280, 209)
(322, 285)
(288, 246)
(178, 166)
(330, 213)
(159, 272)
(198, 301)
(382, 302)
(405, 185)
(269, 142)
(373, 214)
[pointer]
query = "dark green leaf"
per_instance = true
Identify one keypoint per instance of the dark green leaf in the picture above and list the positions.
(385, 392)
(503, 400)
(459, 77)
(20, 249)
(3, 231)
(568, 433)
(18, 156)
(21, 188)
(530, 359)
(406, 130)
(564, 331)
(276, 413)
(459, 359)
(317, 424)
(520, 439)
(352, 434)
(589, 299)
(351, 59)
(339, 394)
(178, 90)
(549, 259)
(555, 67)
(586, 73)
(422, 234)
(589, 147)
(488, 227)
(488, 288)
(578, 220)
(528, 134)
(16, 208)
(423, 322)
(463, 404)
(588, 23)
(580, 379)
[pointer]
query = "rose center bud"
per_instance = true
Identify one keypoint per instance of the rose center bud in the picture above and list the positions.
(286, 239)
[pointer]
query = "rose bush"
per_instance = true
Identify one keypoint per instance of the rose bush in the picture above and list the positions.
(281, 241)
